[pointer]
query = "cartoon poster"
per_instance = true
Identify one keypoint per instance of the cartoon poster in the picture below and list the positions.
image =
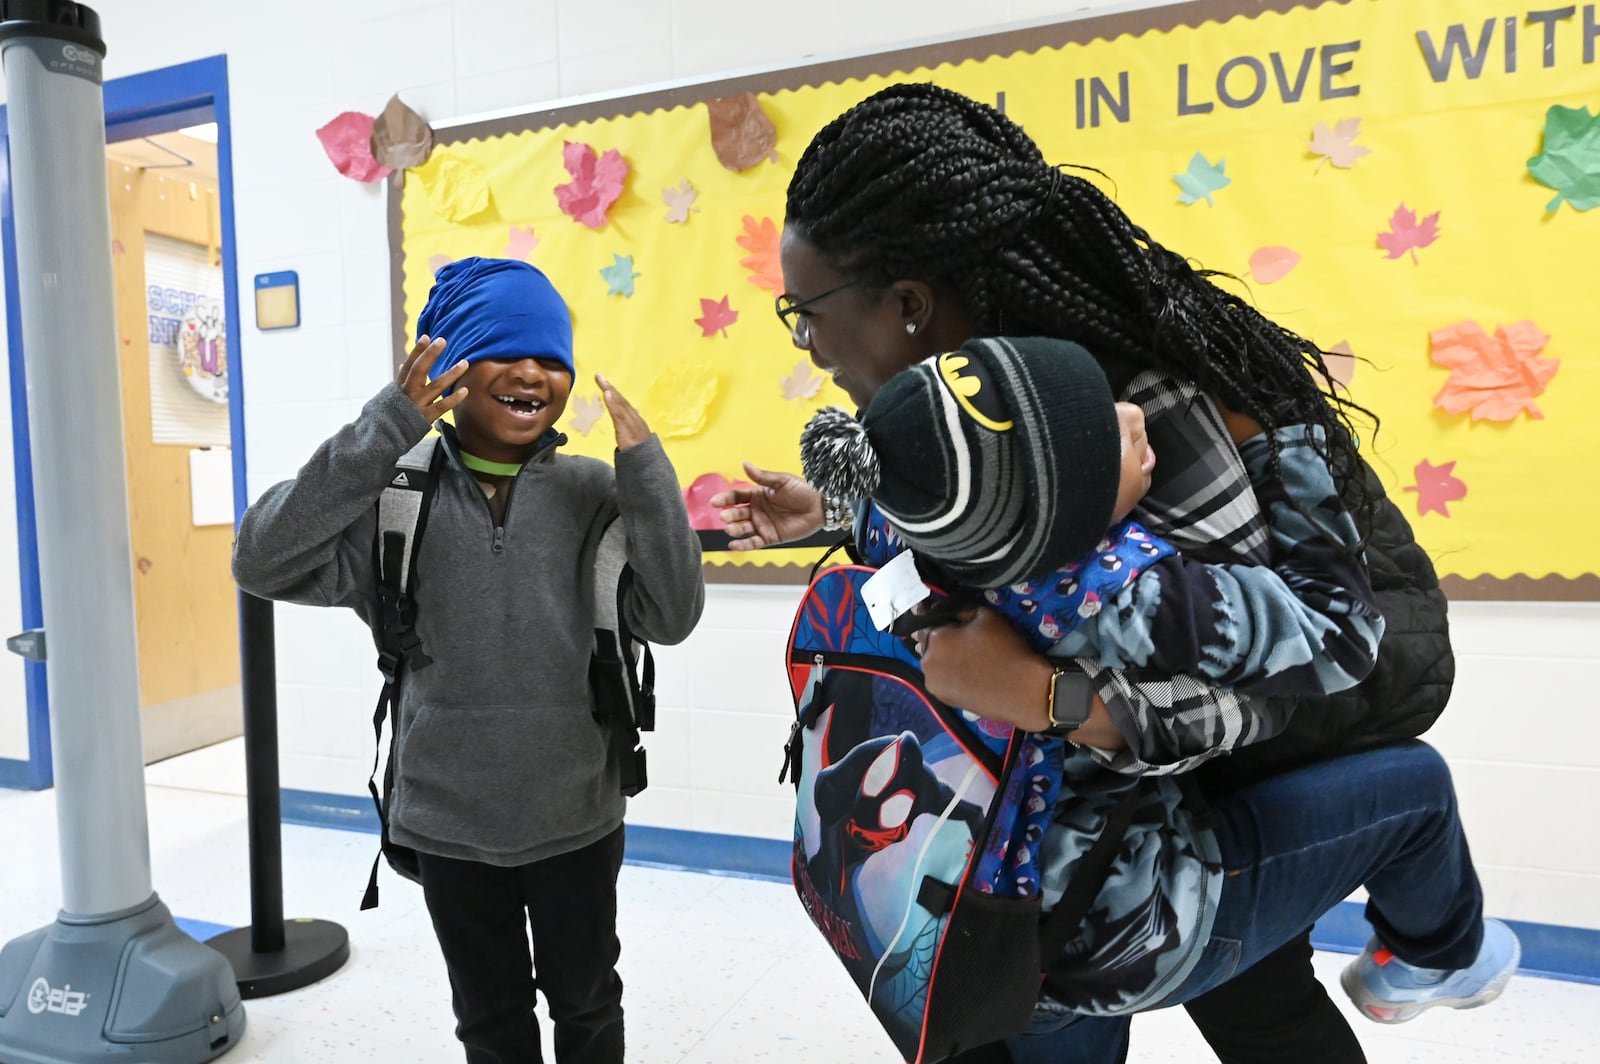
(188, 344)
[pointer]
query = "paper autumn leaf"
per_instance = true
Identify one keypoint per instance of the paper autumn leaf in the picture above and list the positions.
(457, 187)
(1436, 485)
(761, 239)
(401, 139)
(680, 201)
(1407, 234)
(348, 141)
(1341, 362)
(678, 402)
(1337, 145)
(741, 133)
(619, 276)
(596, 183)
(1201, 180)
(697, 500)
(583, 413)
(716, 316)
(803, 382)
(521, 242)
(1273, 263)
(1493, 377)
(1570, 161)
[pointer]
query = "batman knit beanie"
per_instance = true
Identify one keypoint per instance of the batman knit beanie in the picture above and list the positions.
(999, 461)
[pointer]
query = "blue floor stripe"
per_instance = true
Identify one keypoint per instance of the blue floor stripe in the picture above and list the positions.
(1570, 953)
(14, 774)
(703, 851)
(321, 810)
(199, 930)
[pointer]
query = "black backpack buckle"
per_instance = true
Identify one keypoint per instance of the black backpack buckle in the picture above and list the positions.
(389, 666)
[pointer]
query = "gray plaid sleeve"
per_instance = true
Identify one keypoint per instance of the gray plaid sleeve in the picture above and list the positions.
(1174, 723)
(1201, 500)
(1203, 504)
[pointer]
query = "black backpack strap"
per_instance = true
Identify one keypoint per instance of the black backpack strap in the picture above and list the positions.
(846, 543)
(623, 703)
(402, 518)
(943, 611)
(639, 661)
(1088, 876)
(369, 899)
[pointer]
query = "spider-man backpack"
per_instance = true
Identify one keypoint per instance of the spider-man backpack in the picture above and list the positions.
(915, 828)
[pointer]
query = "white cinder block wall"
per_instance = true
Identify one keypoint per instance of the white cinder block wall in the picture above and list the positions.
(1522, 732)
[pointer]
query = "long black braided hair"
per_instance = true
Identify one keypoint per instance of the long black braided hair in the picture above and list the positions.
(919, 182)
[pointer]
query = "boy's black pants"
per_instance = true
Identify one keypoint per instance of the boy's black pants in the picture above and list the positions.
(482, 915)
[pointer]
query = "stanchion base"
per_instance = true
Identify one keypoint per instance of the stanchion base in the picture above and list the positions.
(312, 950)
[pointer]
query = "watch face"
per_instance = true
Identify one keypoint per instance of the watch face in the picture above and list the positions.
(1071, 702)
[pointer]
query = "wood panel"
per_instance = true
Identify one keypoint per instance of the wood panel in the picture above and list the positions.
(183, 590)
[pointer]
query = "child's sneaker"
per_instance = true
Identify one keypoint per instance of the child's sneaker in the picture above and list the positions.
(1388, 990)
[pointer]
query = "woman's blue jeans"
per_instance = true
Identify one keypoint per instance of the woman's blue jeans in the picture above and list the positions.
(1294, 846)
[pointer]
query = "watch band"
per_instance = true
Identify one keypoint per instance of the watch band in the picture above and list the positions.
(1070, 702)
(837, 515)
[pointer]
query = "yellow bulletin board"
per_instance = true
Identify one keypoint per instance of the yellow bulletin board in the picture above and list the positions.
(1362, 167)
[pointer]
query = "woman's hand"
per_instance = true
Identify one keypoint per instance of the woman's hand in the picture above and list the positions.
(429, 397)
(781, 507)
(982, 665)
(627, 422)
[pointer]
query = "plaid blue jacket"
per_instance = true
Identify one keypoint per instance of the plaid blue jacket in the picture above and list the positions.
(1146, 929)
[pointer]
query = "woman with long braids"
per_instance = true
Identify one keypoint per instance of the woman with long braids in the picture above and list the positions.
(920, 219)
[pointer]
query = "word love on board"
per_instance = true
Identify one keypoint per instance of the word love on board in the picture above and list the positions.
(1327, 71)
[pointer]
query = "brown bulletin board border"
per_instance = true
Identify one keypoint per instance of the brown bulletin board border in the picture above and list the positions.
(1520, 587)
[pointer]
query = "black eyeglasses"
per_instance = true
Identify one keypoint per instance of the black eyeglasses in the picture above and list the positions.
(789, 313)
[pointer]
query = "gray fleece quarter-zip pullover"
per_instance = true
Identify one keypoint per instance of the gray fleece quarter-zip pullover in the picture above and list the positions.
(498, 755)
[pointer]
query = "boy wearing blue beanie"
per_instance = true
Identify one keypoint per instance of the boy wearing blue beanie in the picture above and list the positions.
(502, 782)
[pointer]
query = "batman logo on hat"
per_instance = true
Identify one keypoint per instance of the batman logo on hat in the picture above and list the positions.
(975, 391)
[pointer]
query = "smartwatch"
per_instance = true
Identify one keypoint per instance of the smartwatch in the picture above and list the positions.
(1071, 700)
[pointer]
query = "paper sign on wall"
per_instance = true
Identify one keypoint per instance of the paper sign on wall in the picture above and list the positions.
(211, 486)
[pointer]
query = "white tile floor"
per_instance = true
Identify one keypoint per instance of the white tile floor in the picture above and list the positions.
(718, 970)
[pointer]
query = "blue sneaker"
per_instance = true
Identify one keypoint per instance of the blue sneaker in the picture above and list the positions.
(1388, 990)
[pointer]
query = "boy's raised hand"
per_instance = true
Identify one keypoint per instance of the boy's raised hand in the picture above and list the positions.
(629, 424)
(429, 395)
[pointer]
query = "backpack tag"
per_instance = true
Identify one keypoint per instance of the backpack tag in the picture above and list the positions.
(893, 590)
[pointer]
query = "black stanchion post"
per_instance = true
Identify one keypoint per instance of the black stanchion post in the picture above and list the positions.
(258, 668)
(271, 956)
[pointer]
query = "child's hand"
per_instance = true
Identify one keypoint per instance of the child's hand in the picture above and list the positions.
(413, 380)
(629, 424)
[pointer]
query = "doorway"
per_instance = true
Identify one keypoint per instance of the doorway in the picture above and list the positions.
(166, 223)
(171, 184)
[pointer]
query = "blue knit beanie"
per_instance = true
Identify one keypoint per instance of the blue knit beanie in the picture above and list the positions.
(496, 308)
